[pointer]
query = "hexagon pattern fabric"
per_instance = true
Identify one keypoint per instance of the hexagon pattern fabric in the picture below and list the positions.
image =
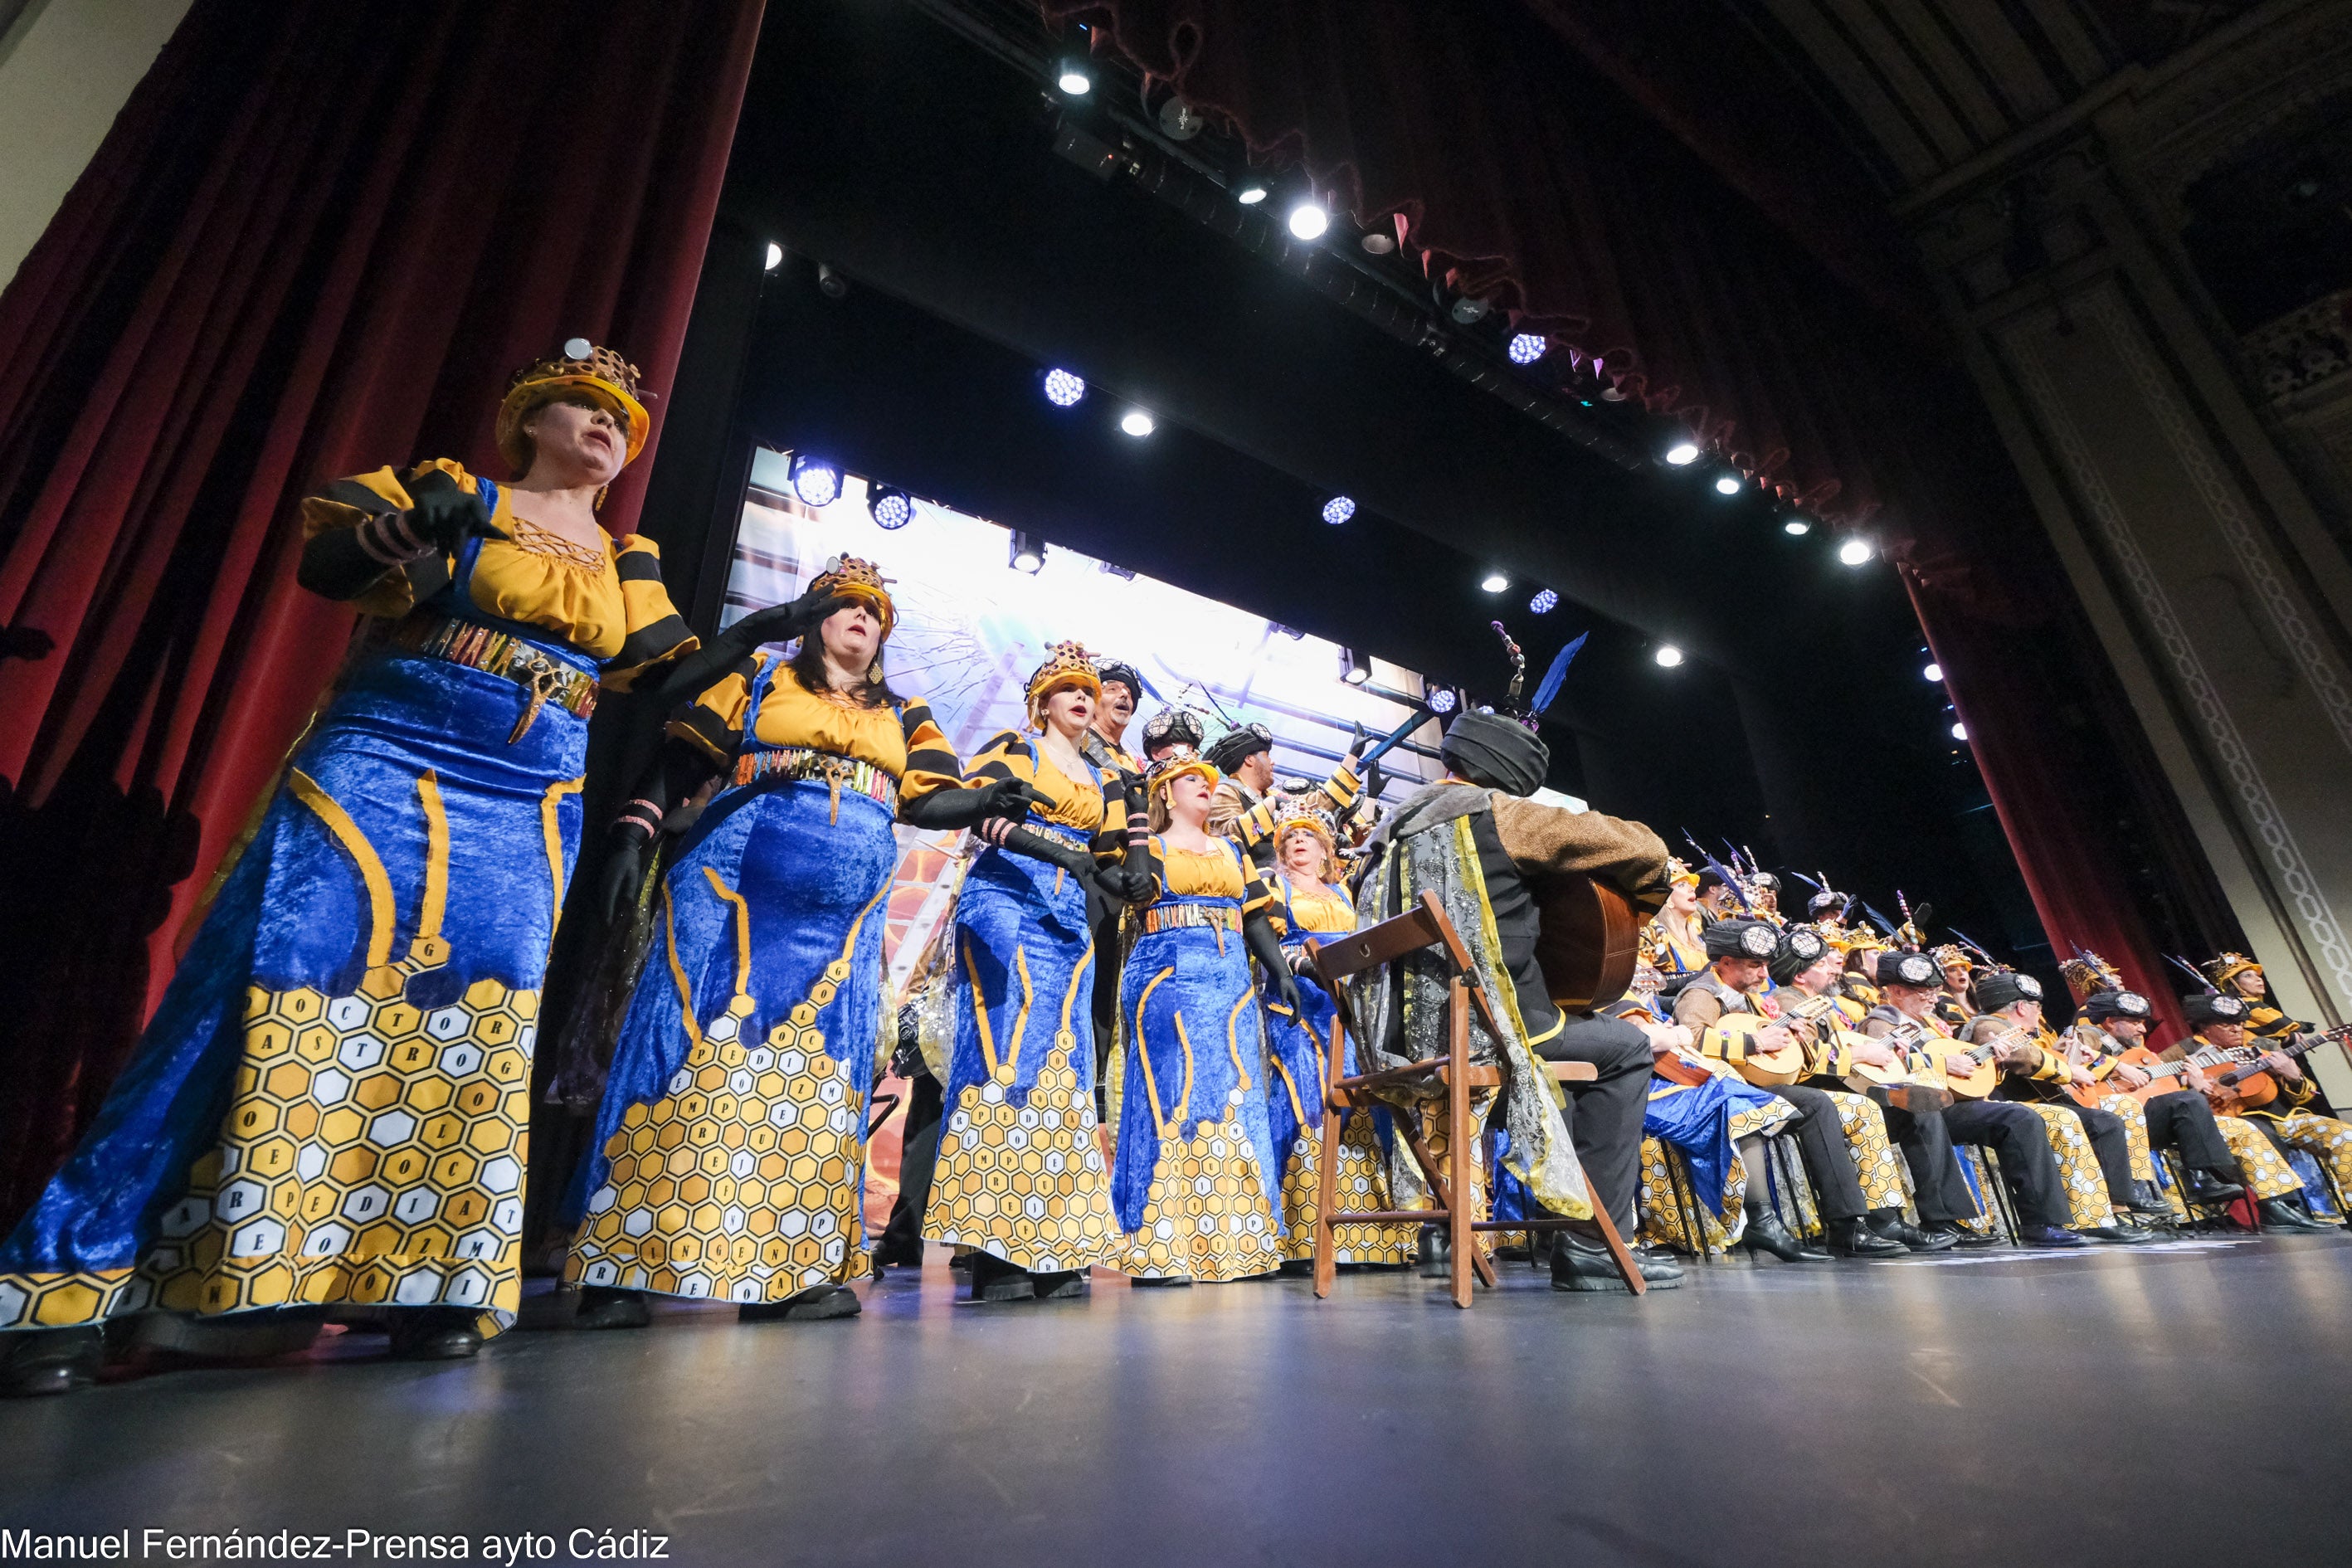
(744, 1182)
(1027, 1183)
(1207, 1214)
(1363, 1185)
(374, 1152)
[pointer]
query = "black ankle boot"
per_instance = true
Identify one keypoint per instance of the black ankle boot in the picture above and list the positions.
(1436, 1257)
(602, 1307)
(813, 1305)
(2285, 1214)
(1854, 1238)
(50, 1360)
(1767, 1234)
(1894, 1227)
(993, 1279)
(435, 1333)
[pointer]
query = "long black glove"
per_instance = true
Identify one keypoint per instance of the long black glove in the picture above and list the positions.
(777, 623)
(345, 563)
(675, 774)
(1266, 948)
(1007, 798)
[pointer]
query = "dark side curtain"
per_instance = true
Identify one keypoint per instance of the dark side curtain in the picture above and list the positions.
(318, 240)
(1549, 155)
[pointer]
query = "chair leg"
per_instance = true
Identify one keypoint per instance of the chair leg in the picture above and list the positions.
(1326, 1200)
(1458, 1137)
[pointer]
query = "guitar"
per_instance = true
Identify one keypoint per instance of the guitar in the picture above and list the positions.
(1776, 1069)
(1588, 941)
(2252, 1086)
(1972, 1072)
(1908, 1088)
(2161, 1076)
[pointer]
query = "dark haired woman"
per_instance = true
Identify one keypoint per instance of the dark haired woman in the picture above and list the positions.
(1020, 1177)
(1194, 1183)
(730, 1152)
(332, 1104)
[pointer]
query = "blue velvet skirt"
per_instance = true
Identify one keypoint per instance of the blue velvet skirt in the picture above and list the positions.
(1020, 1170)
(1194, 1182)
(333, 1102)
(730, 1152)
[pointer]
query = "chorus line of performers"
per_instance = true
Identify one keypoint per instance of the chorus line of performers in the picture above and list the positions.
(1126, 1048)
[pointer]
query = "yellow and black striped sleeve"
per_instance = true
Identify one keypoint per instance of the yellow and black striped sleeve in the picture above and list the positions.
(931, 762)
(1111, 838)
(713, 722)
(1342, 788)
(1255, 894)
(655, 631)
(2267, 1023)
(347, 503)
(1719, 1033)
(1007, 755)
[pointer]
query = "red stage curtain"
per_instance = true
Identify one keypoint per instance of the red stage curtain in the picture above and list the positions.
(317, 240)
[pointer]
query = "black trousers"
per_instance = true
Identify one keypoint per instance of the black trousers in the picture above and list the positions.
(2016, 1136)
(1937, 1187)
(1829, 1159)
(2182, 1122)
(903, 1236)
(1605, 1117)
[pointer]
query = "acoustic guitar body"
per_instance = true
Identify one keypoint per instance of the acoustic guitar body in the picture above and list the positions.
(1969, 1078)
(1587, 944)
(2140, 1056)
(1773, 1069)
(2252, 1092)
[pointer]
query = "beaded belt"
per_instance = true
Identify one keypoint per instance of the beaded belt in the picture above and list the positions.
(1165, 917)
(544, 677)
(832, 768)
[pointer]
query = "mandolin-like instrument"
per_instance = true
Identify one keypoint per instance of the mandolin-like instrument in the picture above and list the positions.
(2250, 1086)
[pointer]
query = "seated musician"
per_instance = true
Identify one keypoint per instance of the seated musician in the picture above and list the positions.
(2094, 1151)
(2288, 1120)
(1473, 839)
(1908, 983)
(1718, 1007)
(1808, 967)
(2219, 1026)
(2114, 1021)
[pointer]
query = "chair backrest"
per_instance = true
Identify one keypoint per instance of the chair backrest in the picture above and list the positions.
(1423, 925)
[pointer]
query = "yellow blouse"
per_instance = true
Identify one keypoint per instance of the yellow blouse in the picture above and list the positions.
(1220, 871)
(1318, 911)
(903, 741)
(1078, 804)
(606, 601)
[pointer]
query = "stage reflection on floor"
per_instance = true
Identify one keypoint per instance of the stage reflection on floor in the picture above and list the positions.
(2177, 1404)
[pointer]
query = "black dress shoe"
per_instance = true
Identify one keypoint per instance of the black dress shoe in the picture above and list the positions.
(994, 1279)
(2205, 1187)
(435, 1333)
(1159, 1281)
(1297, 1269)
(2127, 1235)
(2048, 1236)
(602, 1307)
(1660, 1268)
(898, 1255)
(1061, 1285)
(815, 1304)
(1767, 1234)
(1967, 1240)
(2285, 1214)
(1579, 1263)
(1895, 1227)
(2146, 1199)
(1435, 1256)
(1854, 1238)
(50, 1360)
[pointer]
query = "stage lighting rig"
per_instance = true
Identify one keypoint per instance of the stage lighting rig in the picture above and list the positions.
(890, 507)
(1308, 220)
(1727, 484)
(1355, 668)
(1469, 310)
(1959, 732)
(815, 480)
(1249, 193)
(1682, 454)
(1028, 554)
(1075, 76)
(1179, 121)
(1798, 526)
(1495, 582)
(1545, 602)
(1339, 509)
(1855, 552)
(1440, 700)
(1668, 656)
(830, 284)
(775, 256)
(1933, 672)
(1136, 422)
(1064, 389)
(1528, 347)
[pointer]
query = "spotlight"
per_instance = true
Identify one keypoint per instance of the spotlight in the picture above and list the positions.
(1309, 220)
(775, 256)
(1682, 454)
(1136, 422)
(1338, 510)
(1075, 77)
(1441, 701)
(890, 507)
(1355, 668)
(1028, 554)
(1495, 583)
(1544, 603)
(830, 284)
(1959, 732)
(1468, 311)
(1063, 388)
(1293, 633)
(1933, 672)
(1854, 552)
(1798, 526)
(816, 481)
(1726, 485)
(1249, 193)
(1378, 244)
(1528, 347)
(1181, 120)
(1668, 656)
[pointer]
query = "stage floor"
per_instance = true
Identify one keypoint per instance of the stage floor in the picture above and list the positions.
(2184, 1403)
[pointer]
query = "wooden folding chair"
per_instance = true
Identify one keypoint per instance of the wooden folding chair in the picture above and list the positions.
(1336, 962)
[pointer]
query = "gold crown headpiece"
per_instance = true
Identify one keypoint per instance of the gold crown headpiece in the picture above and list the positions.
(581, 367)
(1067, 664)
(1950, 954)
(2086, 974)
(2228, 967)
(1678, 873)
(1178, 761)
(848, 577)
(1291, 813)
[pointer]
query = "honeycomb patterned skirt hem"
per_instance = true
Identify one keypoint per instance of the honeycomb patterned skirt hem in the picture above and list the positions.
(743, 1183)
(1026, 1183)
(372, 1154)
(1363, 1184)
(1207, 1215)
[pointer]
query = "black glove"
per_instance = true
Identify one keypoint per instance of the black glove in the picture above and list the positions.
(777, 623)
(1356, 747)
(1009, 799)
(1266, 948)
(446, 513)
(624, 871)
(1123, 885)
